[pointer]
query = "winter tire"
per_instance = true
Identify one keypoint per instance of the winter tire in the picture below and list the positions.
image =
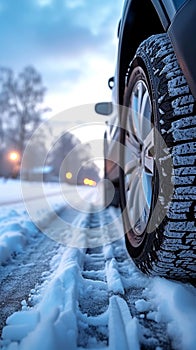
(157, 178)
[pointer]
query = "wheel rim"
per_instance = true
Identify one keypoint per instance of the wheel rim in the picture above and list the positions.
(139, 160)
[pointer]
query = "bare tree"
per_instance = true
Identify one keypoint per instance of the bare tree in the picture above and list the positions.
(21, 99)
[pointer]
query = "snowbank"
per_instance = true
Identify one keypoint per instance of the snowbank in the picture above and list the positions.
(16, 227)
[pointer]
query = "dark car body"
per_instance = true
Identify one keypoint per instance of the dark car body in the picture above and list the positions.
(143, 18)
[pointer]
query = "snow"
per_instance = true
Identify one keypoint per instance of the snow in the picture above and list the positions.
(176, 304)
(16, 227)
(10, 242)
(127, 325)
(12, 190)
(113, 277)
(52, 320)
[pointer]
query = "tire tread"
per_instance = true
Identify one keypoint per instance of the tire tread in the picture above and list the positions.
(171, 253)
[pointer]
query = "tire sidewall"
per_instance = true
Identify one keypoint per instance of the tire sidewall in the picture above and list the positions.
(143, 73)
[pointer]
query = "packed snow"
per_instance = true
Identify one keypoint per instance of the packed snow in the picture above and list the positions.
(51, 316)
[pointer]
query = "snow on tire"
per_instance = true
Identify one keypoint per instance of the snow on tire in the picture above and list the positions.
(169, 249)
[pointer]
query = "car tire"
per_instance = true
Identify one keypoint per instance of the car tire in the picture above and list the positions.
(157, 177)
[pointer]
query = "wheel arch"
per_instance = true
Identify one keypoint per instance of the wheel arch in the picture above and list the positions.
(140, 20)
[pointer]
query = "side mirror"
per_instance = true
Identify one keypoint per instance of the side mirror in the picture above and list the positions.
(104, 108)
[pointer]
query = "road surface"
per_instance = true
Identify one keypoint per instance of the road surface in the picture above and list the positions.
(94, 290)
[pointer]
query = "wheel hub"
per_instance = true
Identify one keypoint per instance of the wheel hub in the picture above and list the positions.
(139, 160)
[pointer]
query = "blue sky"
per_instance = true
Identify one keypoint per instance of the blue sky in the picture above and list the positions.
(72, 43)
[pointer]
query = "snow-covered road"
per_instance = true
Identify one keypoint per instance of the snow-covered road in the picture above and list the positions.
(87, 295)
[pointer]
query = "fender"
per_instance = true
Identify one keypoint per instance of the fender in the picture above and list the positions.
(143, 18)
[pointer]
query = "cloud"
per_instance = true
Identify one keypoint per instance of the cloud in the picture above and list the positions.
(61, 38)
(66, 28)
(44, 3)
(75, 4)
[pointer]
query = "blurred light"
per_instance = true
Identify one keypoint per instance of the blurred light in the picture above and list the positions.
(89, 182)
(68, 175)
(14, 156)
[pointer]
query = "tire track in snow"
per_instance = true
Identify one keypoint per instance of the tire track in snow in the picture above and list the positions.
(117, 314)
(23, 274)
(98, 300)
